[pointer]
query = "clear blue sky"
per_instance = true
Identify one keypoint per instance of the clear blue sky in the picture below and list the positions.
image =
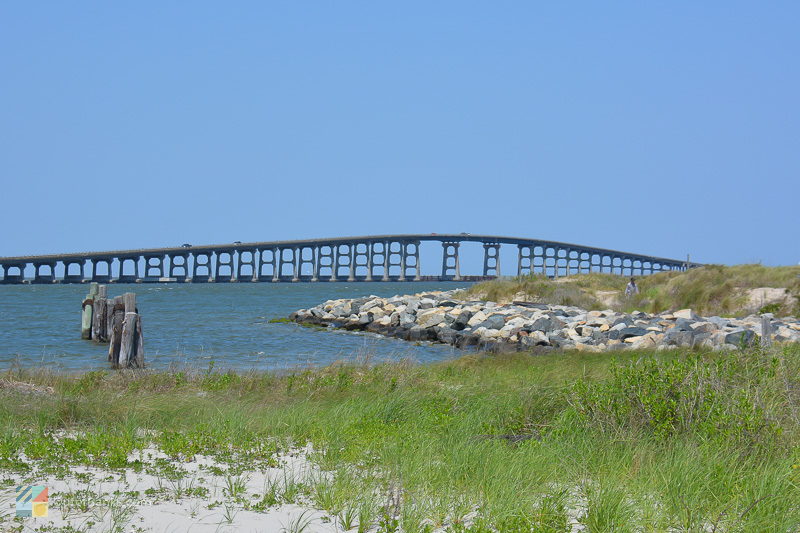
(661, 128)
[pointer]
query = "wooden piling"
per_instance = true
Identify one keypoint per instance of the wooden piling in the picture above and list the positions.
(87, 310)
(99, 316)
(766, 331)
(116, 321)
(127, 350)
(131, 352)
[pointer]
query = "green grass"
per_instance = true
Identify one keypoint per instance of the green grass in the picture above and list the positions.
(666, 441)
(710, 290)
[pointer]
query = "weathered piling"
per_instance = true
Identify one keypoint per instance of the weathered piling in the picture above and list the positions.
(99, 316)
(87, 311)
(131, 352)
(116, 321)
(115, 318)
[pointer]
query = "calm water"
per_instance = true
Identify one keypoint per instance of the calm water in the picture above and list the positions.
(195, 324)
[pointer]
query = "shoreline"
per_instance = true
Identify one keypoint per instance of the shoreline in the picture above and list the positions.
(488, 326)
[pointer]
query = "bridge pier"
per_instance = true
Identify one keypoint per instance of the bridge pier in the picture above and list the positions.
(451, 268)
(411, 257)
(250, 260)
(201, 262)
(361, 259)
(296, 264)
(123, 277)
(224, 260)
(44, 277)
(307, 255)
(179, 262)
(387, 260)
(74, 278)
(326, 259)
(97, 276)
(351, 259)
(370, 260)
(266, 258)
(339, 261)
(491, 259)
(315, 266)
(18, 277)
(154, 267)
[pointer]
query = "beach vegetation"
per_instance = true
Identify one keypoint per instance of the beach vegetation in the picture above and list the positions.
(641, 440)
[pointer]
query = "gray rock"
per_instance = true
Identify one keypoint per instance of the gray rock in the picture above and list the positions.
(741, 336)
(685, 313)
(537, 338)
(679, 337)
(626, 333)
(717, 321)
(446, 335)
(430, 319)
(622, 320)
(544, 323)
(355, 305)
(427, 303)
(684, 324)
(531, 305)
(407, 319)
(493, 322)
(461, 320)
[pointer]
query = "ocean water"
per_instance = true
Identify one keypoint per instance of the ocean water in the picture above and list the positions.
(195, 324)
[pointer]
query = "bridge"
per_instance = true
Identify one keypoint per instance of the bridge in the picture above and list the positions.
(371, 258)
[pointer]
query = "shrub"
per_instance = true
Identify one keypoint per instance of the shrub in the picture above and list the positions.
(738, 397)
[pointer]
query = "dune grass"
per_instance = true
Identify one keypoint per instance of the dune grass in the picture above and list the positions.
(711, 290)
(666, 441)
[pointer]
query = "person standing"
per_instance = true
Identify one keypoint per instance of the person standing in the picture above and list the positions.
(631, 288)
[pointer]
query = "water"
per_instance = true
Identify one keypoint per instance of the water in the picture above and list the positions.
(196, 324)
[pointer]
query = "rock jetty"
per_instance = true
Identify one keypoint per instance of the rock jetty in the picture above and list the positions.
(443, 317)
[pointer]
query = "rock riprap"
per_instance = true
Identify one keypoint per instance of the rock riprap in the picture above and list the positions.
(443, 317)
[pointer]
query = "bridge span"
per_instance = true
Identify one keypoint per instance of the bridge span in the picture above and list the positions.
(370, 258)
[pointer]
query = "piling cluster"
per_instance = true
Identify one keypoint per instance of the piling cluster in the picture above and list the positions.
(115, 321)
(442, 317)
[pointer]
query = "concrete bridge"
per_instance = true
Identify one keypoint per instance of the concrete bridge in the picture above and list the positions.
(372, 258)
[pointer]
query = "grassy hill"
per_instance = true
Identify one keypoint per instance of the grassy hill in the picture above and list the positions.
(709, 290)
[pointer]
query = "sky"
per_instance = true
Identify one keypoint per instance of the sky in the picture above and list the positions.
(661, 128)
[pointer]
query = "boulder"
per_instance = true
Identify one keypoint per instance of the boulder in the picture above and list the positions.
(430, 318)
(493, 322)
(631, 332)
(446, 335)
(427, 303)
(685, 313)
(679, 337)
(407, 320)
(376, 313)
(741, 337)
(721, 323)
(704, 327)
(476, 319)
(461, 320)
(535, 338)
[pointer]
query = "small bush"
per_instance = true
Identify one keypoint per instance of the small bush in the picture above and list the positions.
(735, 398)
